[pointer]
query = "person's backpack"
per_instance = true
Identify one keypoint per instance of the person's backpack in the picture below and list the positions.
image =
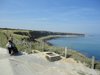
(15, 50)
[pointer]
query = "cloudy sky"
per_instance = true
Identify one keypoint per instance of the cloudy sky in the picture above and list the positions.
(81, 16)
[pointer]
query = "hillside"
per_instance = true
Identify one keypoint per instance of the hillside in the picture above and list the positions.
(22, 36)
(28, 40)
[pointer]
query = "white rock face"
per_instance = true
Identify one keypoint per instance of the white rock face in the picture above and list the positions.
(37, 64)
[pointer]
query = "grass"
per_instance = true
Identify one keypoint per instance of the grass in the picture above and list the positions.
(3, 40)
(71, 53)
(41, 45)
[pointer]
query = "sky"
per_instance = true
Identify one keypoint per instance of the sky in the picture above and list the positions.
(82, 16)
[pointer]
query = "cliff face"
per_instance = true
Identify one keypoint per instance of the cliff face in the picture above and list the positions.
(37, 34)
(37, 64)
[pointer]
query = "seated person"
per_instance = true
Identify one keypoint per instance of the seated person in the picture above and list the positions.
(11, 47)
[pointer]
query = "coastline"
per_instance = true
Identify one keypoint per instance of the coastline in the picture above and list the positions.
(79, 57)
(50, 37)
(41, 45)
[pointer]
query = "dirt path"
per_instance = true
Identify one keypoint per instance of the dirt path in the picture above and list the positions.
(37, 64)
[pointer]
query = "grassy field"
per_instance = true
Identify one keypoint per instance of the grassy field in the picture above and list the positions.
(40, 44)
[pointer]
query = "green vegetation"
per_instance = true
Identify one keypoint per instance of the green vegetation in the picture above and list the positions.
(27, 41)
(3, 39)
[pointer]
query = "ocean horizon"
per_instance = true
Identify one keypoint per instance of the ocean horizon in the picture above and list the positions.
(88, 45)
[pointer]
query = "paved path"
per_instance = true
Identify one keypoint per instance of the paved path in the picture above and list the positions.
(37, 64)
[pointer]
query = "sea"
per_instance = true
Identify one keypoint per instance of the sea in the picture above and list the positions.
(88, 45)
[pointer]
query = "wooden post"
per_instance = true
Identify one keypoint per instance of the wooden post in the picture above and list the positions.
(0, 42)
(30, 46)
(42, 46)
(93, 61)
(65, 52)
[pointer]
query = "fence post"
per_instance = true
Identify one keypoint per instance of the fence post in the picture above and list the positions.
(42, 46)
(65, 52)
(30, 45)
(93, 61)
(0, 41)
